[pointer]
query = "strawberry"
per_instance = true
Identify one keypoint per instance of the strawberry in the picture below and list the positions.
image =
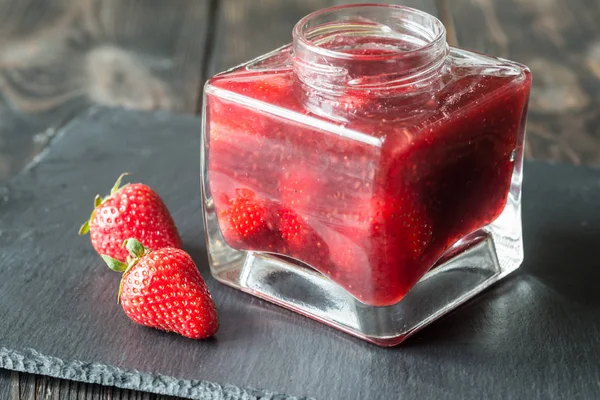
(132, 211)
(301, 240)
(163, 289)
(292, 228)
(248, 222)
(246, 215)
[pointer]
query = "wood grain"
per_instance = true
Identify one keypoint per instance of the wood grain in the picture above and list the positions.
(58, 57)
(21, 386)
(247, 29)
(9, 384)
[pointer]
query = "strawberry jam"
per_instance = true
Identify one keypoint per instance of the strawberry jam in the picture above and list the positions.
(365, 157)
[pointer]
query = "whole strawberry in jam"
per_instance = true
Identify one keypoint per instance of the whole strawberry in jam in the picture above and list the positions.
(249, 220)
(293, 228)
(246, 214)
(163, 289)
(301, 241)
(132, 211)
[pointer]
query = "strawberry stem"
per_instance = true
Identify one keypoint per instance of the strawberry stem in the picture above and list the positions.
(135, 248)
(113, 264)
(85, 228)
(115, 187)
(98, 200)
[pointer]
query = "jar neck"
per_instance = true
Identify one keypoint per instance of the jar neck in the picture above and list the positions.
(373, 50)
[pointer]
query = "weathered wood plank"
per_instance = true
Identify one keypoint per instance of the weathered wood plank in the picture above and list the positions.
(142, 54)
(20, 386)
(58, 57)
(9, 384)
(429, 6)
(27, 387)
(247, 29)
(558, 40)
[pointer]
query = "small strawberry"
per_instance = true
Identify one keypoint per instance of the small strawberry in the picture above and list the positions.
(292, 228)
(132, 211)
(250, 223)
(246, 215)
(301, 241)
(163, 289)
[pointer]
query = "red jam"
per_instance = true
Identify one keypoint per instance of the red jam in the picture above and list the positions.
(369, 190)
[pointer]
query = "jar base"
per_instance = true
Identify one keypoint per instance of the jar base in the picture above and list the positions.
(477, 262)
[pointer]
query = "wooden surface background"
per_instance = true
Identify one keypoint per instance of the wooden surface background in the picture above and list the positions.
(58, 57)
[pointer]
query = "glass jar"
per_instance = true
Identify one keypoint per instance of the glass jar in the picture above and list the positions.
(367, 175)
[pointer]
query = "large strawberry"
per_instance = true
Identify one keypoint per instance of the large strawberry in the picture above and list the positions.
(163, 289)
(132, 211)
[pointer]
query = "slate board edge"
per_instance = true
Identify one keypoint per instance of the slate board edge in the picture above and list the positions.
(31, 361)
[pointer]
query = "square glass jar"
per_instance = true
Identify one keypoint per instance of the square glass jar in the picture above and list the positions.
(367, 175)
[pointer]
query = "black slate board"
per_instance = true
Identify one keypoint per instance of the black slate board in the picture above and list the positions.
(535, 335)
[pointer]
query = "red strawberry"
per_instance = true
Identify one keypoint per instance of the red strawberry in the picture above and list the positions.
(301, 240)
(246, 215)
(292, 228)
(250, 223)
(163, 289)
(133, 211)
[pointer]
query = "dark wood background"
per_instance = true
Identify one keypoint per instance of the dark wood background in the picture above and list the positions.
(59, 57)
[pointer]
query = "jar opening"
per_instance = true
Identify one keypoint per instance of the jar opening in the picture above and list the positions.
(366, 46)
(342, 31)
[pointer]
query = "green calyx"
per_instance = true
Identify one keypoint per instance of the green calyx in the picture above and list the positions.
(98, 201)
(135, 248)
(114, 264)
(136, 251)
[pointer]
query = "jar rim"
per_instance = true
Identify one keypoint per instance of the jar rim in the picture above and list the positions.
(299, 32)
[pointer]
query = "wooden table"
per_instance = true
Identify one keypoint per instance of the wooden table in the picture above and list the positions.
(59, 57)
